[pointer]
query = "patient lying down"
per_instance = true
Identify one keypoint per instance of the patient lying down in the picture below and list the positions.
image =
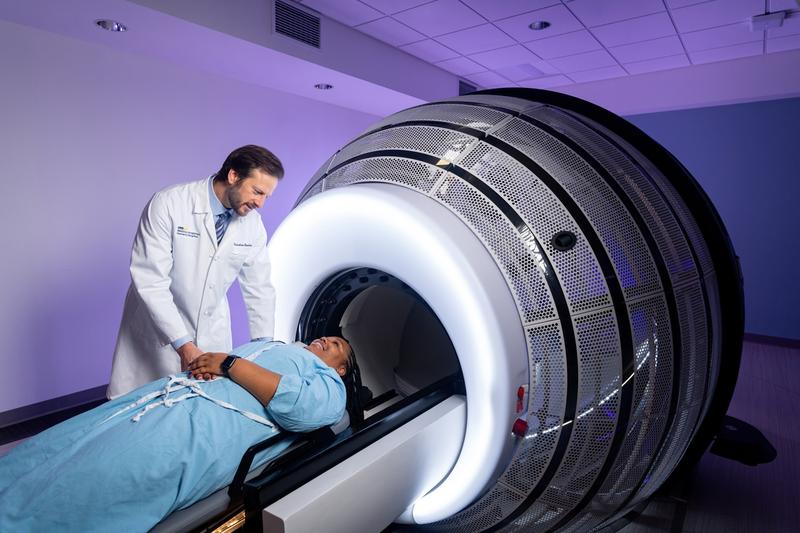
(127, 464)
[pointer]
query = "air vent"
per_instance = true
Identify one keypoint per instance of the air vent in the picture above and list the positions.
(465, 88)
(297, 24)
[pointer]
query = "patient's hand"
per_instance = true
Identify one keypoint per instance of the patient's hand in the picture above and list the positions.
(188, 352)
(207, 365)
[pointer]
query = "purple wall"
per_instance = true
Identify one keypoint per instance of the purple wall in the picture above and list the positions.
(745, 157)
(87, 135)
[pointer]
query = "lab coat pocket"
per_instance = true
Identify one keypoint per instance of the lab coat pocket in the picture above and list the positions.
(236, 259)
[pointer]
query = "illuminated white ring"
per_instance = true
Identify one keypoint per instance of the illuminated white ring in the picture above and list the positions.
(419, 241)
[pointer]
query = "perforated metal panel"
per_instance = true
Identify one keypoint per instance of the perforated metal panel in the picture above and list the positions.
(439, 142)
(688, 222)
(518, 263)
(577, 270)
(400, 171)
(694, 364)
(712, 294)
(545, 407)
(623, 242)
(478, 118)
(647, 199)
(490, 509)
(598, 407)
(652, 394)
(637, 287)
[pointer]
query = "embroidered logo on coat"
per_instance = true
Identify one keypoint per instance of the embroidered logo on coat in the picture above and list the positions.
(183, 231)
(245, 244)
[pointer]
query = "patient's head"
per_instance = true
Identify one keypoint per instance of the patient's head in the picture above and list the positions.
(334, 352)
(337, 353)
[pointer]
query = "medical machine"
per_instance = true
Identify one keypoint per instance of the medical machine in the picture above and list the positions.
(543, 301)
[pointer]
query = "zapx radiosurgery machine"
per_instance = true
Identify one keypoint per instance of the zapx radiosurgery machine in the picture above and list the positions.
(544, 303)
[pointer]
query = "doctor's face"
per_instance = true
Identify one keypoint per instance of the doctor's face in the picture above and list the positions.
(246, 194)
(334, 352)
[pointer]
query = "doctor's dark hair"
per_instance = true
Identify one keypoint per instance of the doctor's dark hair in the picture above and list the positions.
(247, 158)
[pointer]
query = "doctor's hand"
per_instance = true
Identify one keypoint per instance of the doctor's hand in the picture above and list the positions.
(207, 365)
(188, 352)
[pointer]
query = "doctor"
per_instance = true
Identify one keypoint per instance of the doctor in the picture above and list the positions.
(193, 241)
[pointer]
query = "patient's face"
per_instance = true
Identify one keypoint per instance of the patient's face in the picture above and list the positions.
(333, 351)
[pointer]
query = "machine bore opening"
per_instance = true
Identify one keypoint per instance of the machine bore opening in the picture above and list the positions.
(400, 343)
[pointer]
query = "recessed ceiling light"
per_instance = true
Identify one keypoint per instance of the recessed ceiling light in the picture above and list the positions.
(323, 86)
(111, 25)
(539, 25)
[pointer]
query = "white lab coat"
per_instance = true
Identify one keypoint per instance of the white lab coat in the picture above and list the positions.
(180, 277)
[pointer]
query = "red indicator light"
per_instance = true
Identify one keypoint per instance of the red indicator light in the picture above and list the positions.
(520, 427)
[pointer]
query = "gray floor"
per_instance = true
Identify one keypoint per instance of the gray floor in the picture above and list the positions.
(725, 496)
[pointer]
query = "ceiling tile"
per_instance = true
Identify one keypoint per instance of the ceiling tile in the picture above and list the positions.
(782, 5)
(635, 30)
(460, 66)
(715, 13)
(389, 30)
(440, 17)
(790, 26)
(494, 10)
(783, 43)
(392, 6)
(546, 67)
(513, 56)
(429, 50)
(559, 17)
(597, 12)
(674, 4)
(505, 57)
(564, 45)
(598, 74)
(663, 47)
(727, 52)
(586, 61)
(350, 12)
(490, 79)
(662, 63)
(477, 39)
(544, 83)
(525, 71)
(719, 37)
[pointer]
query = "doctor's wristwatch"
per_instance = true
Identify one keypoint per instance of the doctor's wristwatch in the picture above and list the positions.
(227, 364)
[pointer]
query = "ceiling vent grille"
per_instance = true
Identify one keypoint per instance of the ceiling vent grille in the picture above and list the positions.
(297, 24)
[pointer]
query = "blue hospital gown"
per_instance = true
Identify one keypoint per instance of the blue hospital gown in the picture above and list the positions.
(88, 475)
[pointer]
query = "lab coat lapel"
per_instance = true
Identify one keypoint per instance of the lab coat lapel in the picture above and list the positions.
(202, 211)
(208, 222)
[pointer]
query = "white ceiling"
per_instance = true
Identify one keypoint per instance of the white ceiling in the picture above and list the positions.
(629, 56)
(233, 39)
(489, 42)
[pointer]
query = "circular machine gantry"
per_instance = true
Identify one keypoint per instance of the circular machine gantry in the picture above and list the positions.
(626, 294)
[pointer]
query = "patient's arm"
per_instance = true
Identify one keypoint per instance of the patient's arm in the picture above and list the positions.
(256, 380)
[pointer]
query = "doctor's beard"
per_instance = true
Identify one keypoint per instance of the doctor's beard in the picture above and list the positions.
(236, 201)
